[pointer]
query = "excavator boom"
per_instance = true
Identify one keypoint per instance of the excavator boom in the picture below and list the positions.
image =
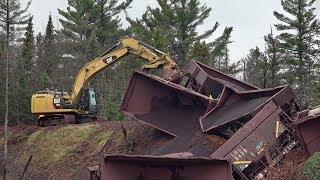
(123, 48)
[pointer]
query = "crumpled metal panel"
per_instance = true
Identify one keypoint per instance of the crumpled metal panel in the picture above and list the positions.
(172, 167)
(307, 127)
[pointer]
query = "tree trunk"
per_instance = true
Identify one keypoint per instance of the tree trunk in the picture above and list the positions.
(265, 73)
(244, 71)
(6, 117)
(273, 62)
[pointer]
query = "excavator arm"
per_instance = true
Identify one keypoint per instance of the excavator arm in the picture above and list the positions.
(126, 46)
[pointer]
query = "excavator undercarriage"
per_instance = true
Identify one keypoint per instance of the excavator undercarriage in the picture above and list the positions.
(64, 119)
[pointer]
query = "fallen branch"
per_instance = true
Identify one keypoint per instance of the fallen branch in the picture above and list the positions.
(26, 167)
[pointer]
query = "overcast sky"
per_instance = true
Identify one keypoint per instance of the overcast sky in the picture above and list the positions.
(251, 19)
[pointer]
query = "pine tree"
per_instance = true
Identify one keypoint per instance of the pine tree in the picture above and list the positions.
(11, 13)
(49, 36)
(50, 57)
(275, 58)
(93, 47)
(85, 18)
(255, 68)
(201, 52)
(220, 53)
(298, 36)
(216, 53)
(108, 24)
(28, 46)
(24, 69)
(78, 20)
(173, 26)
(39, 48)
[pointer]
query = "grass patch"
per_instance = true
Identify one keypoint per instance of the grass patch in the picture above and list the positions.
(112, 112)
(54, 146)
(312, 168)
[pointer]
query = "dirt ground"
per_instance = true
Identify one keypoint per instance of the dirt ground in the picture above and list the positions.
(290, 167)
(51, 160)
(127, 138)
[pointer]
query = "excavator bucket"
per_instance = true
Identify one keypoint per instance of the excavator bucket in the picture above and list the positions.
(164, 168)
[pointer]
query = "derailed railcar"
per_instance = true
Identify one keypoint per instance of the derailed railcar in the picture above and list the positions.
(121, 167)
(261, 143)
(307, 127)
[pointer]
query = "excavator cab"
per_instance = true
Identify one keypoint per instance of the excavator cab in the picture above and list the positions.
(89, 101)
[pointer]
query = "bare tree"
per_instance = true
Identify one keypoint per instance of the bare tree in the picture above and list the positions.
(11, 14)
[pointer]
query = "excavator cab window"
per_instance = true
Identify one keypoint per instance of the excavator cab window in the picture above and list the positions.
(92, 101)
(89, 101)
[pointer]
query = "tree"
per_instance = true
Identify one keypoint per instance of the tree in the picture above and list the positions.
(216, 53)
(173, 26)
(108, 25)
(50, 57)
(299, 40)
(24, 69)
(11, 13)
(78, 19)
(83, 17)
(275, 58)
(255, 68)
(28, 48)
(201, 52)
(220, 53)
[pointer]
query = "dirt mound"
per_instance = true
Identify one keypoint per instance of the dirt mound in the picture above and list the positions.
(289, 168)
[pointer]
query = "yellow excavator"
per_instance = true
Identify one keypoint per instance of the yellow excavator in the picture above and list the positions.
(80, 104)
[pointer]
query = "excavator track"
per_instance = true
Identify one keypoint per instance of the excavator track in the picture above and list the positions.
(63, 119)
(56, 119)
